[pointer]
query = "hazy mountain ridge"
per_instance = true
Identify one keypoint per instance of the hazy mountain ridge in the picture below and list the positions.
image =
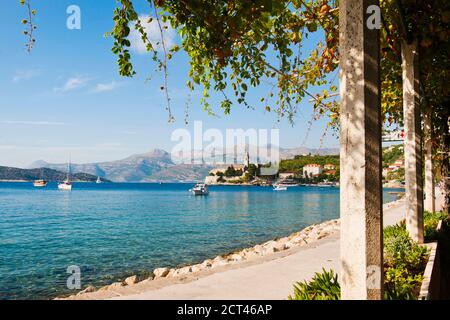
(146, 167)
(156, 165)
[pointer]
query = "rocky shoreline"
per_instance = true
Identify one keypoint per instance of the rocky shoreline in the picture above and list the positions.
(298, 239)
(302, 238)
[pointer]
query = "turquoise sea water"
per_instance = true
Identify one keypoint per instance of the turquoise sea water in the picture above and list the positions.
(114, 230)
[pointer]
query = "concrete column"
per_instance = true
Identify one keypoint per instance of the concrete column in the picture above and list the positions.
(430, 199)
(413, 136)
(360, 140)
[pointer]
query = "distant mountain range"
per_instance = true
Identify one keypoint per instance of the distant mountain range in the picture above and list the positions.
(17, 174)
(153, 166)
(291, 153)
(158, 165)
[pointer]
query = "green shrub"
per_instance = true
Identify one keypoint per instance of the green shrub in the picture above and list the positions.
(324, 286)
(430, 222)
(395, 230)
(400, 251)
(404, 263)
(401, 284)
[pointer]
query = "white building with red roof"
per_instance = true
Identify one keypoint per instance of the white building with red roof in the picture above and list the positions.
(312, 170)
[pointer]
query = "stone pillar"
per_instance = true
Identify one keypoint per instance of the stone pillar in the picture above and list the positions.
(430, 199)
(413, 135)
(360, 152)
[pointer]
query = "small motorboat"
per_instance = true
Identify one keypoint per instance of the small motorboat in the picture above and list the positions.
(279, 188)
(40, 183)
(200, 189)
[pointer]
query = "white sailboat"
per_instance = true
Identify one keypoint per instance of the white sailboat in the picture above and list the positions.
(98, 180)
(66, 184)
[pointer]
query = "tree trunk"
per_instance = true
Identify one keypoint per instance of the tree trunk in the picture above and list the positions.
(445, 168)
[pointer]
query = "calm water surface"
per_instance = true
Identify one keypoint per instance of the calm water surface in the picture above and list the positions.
(114, 230)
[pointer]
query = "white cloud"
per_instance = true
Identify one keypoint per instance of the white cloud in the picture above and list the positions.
(23, 75)
(103, 87)
(153, 34)
(34, 123)
(72, 84)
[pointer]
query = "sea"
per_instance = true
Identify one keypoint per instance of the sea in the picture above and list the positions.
(113, 230)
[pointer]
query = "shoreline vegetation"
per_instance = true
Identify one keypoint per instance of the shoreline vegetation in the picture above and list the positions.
(304, 237)
(11, 174)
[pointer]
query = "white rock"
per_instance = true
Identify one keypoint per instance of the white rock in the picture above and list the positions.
(161, 272)
(182, 271)
(171, 273)
(235, 257)
(196, 268)
(207, 263)
(258, 249)
(87, 290)
(251, 254)
(185, 270)
(115, 285)
(219, 263)
(131, 280)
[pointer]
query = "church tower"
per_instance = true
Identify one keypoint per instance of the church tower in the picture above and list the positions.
(247, 158)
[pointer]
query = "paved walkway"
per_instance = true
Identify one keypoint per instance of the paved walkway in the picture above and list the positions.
(267, 279)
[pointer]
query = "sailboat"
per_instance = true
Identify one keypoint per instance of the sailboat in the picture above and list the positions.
(40, 183)
(98, 180)
(66, 184)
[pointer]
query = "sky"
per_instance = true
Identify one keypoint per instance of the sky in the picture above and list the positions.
(67, 100)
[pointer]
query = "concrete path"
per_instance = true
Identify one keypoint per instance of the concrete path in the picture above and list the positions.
(270, 278)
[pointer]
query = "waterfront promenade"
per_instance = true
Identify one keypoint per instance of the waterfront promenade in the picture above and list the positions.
(268, 277)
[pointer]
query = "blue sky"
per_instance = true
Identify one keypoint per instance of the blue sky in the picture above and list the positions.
(67, 99)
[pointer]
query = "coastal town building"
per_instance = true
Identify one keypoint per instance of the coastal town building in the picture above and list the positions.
(312, 170)
(218, 174)
(398, 164)
(286, 175)
(329, 166)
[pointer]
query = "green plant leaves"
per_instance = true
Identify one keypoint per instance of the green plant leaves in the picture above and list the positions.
(323, 286)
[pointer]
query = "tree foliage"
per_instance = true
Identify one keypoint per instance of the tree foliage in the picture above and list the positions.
(296, 165)
(231, 45)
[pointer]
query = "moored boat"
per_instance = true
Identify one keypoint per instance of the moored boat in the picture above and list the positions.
(66, 184)
(279, 188)
(200, 189)
(40, 183)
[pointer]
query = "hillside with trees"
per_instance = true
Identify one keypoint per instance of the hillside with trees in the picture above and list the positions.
(17, 174)
(296, 165)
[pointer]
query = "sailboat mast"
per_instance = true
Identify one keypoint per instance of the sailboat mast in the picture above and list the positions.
(68, 171)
